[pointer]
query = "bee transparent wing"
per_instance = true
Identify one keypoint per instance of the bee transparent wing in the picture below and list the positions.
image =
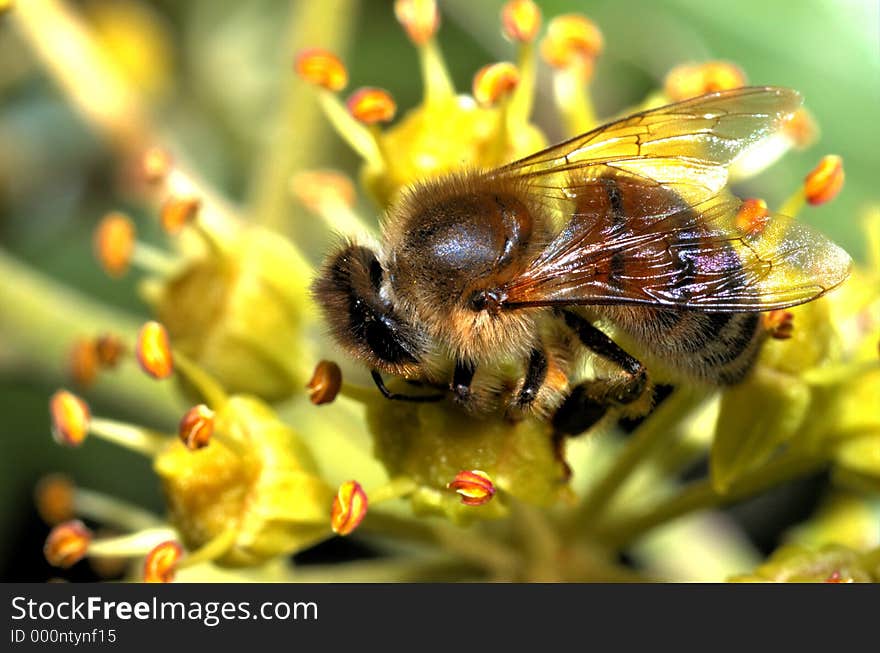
(686, 147)
(703, 258)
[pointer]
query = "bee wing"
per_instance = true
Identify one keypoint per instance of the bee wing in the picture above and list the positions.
(686, 147)
(703, 257)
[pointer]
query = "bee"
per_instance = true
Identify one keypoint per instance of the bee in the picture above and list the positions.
(490, 284)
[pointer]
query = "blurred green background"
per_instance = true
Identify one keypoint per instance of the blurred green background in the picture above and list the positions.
(218, 78)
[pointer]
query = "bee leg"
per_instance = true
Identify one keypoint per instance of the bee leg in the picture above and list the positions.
(589, 401)
(377, 379)
(462, 378)
(536, 374)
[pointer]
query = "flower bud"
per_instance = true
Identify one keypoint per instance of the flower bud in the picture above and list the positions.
(257, 475)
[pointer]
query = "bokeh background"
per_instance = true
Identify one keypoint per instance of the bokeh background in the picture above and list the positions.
(216, 77)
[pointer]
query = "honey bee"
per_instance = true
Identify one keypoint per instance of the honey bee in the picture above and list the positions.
(490, 284)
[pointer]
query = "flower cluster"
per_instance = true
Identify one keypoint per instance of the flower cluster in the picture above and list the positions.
(276, 451)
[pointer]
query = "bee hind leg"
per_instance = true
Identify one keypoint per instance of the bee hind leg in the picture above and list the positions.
(589, 401)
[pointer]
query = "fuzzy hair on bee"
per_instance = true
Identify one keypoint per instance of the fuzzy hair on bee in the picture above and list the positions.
(489, 284)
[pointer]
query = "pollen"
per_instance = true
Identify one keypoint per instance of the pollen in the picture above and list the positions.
(321, 68)
(153, 351)
(177, 212)
(692, 80)
(752, 217)
(196, 427)
(161, 562)
(70, 418)
(570, 39)
(474, 487)
(825, 180)
(495, 82)
(156, 163)
(114, 242)
(67, 544)
(349, 508)
(420, 19)
(325, 383)
(53, 498)
(372, 105)
(521, 20)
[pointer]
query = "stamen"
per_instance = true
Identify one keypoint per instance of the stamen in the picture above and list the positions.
(571, 46)
(83, 362)
(801, 128)
(132, 545)
(109, 349)
(161, 563)
(752, 217)
(421, 20)
(824, 181)
(325, 383)
(177, 212)
(114, 243)
(196, 427)
(779, 324)
(153, 351)
(156, 163)
(135, 438)
(70, 418)
(520, 20)
(494, 83)
(694, 79)
(349, 508)
(371, 105)
(116, 249)
(53, 497)
(474, 487)
(331, 195)
(821, 185)
(321, 68)
(67, 544)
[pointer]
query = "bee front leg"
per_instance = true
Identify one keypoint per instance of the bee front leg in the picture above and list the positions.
(590, 400)
(462, 378)
(536, 373)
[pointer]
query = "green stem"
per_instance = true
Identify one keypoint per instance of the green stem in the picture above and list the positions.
(702, 495)
(301, 131)
(659, 427)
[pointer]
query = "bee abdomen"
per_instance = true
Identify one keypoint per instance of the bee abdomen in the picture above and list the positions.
(718, 348)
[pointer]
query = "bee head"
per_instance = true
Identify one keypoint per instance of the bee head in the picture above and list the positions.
(350, 290)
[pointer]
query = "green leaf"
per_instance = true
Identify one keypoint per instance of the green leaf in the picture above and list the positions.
(756, 417)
